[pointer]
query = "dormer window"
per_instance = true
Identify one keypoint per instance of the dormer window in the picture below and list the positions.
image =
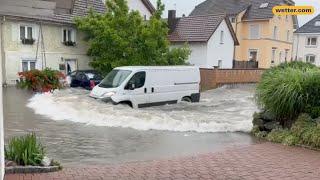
(232, 19)
(68, 37)
(264, 5)
(317, 23)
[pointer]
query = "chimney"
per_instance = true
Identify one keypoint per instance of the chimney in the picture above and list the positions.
(171, 20)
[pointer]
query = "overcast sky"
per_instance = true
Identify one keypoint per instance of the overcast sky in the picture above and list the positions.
(186, 6)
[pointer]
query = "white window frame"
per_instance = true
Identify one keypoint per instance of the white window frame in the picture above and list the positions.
(308, 43)
(26, 31)
(288, 35)
(307, 58)
(286, 53)
(73, 34)
(253, 50)
(28, 61)
(273, 55)
(221, 37)
(220, 63)
(275, 32)
(250, 29)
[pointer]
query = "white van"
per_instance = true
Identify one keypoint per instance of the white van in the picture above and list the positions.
(150, 86)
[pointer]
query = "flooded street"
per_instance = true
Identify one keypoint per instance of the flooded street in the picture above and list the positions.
(78, 130)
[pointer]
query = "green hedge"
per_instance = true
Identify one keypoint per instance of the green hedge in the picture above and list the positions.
(290, 89)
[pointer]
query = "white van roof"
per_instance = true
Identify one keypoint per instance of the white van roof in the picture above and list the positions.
(134, 68)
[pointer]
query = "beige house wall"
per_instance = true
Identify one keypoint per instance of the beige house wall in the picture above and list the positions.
(266, 42)
(55, 51)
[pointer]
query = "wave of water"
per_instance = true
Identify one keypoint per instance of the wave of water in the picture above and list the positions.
(221, 110)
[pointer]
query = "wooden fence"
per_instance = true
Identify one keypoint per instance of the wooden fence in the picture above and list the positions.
(213, 78)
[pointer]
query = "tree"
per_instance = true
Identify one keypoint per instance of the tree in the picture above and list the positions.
(120, 37)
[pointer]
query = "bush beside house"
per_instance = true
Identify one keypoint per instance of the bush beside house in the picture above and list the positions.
(41, 81)
(289, 96)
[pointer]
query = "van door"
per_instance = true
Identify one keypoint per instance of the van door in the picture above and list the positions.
(135, 89)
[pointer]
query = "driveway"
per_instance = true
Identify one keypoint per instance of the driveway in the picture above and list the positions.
(264, 161)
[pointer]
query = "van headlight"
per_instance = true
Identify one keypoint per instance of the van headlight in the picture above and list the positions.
(109, 94)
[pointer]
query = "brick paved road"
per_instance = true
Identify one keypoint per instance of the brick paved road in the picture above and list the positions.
(260, 161)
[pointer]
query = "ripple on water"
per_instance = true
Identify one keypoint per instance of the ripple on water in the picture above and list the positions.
(220, 110)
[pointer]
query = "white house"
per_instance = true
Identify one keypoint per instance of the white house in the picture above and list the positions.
(36, 34)
(210, 37)
(145, 7)
(306, 45)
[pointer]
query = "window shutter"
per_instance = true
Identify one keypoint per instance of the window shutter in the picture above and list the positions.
(35, 32)
(74, 35)
(254, 32)
(15, 32)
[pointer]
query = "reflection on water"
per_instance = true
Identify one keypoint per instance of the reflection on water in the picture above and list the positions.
(78, 130)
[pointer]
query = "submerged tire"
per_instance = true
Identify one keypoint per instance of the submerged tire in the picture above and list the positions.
(187, 99)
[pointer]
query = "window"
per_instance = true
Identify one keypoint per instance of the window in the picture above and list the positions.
(138, 80)
(221, 37)
(254, 31)
(286, 55)
(275, 32)
(68, 35)
(311, 41)
(317, 23)
(280, 57)
(263, 5)
(232, 19)
(253, 55)
(288, 35)
(287, 17)
(28, 65)
(114, 79)
(26, 32)
(310, 58)
(220, 63)
(273, 55)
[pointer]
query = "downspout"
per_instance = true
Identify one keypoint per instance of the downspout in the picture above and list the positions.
(235, 30)
(3, 61)
(1, 109)
(298, 41)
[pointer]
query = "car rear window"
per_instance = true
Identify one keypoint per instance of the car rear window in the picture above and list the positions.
(93, 76)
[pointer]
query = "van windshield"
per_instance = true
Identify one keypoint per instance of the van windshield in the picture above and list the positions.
(114, 79)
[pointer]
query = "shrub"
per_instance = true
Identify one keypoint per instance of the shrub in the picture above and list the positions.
(304, 131)
(287, 90)
(25, 150)
(41, 81)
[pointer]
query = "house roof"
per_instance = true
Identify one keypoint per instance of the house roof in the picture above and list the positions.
(149, 6)
(55, 11)
(310, 27)
(234, 7)
(199, 28)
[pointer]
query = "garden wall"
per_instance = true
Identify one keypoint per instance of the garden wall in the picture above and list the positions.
(213, 78)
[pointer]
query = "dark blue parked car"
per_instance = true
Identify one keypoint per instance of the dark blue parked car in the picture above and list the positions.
(87, 79)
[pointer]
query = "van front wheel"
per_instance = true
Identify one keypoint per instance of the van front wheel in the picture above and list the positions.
(187, 99)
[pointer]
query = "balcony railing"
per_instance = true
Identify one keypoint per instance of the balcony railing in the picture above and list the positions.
(69, 43)
(28, 41)
(245, 64)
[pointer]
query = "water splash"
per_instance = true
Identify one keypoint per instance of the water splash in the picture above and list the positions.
(221, 110)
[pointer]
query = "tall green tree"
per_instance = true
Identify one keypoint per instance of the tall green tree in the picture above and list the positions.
(120, 37)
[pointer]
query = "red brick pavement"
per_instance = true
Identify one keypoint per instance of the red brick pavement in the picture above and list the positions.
(260, 161)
